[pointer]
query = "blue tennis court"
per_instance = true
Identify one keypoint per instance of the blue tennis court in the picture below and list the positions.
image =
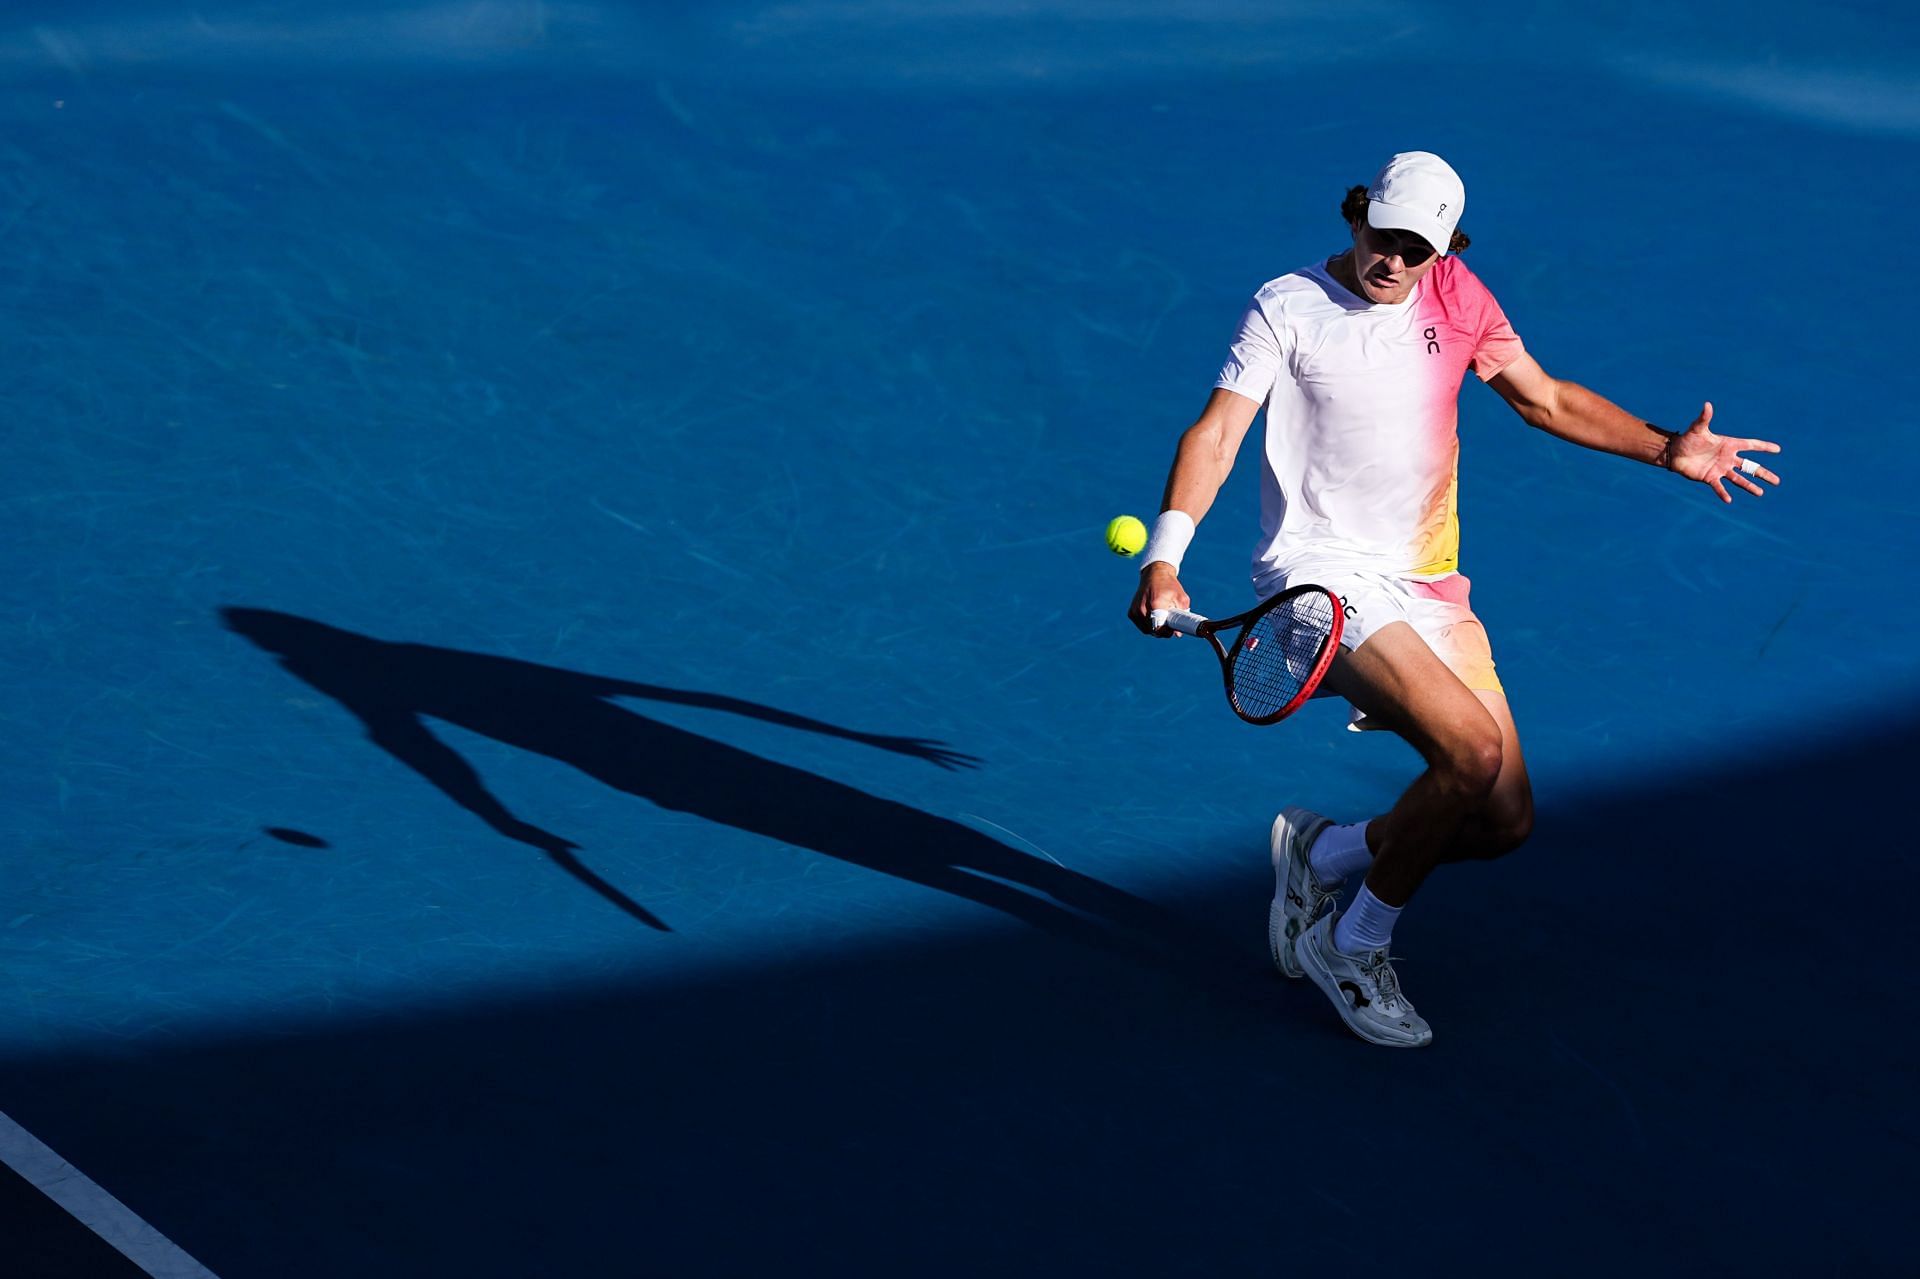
(568, 713)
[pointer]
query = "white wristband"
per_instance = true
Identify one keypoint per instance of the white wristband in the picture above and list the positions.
(1172, 533)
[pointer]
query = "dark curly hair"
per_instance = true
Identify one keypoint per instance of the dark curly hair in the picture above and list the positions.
(1354, 210)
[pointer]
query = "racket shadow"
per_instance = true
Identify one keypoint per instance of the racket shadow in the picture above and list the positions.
(393, 688)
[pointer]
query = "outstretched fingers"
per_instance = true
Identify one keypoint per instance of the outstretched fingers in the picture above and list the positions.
(1751, 467)
(1746, 470)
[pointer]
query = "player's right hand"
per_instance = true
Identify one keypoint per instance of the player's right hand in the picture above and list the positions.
(1159, 588)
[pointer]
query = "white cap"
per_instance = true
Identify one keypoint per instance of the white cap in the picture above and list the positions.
(1418, 191)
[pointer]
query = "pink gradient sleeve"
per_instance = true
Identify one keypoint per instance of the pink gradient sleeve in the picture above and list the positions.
(1473, 312)
(1495, 345)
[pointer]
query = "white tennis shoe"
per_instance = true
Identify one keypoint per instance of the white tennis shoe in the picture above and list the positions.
(1364, 989)
(1298, 898)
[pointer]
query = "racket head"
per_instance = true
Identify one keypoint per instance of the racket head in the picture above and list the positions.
(1284, 649)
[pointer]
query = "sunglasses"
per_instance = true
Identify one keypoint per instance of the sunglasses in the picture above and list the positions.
(1408, 247)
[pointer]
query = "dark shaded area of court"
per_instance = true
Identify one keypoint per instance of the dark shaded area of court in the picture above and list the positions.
(1674, 1083)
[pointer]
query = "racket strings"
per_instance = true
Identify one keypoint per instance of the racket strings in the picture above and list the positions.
(1280, 653)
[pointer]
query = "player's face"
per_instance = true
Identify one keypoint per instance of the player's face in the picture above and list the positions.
(1388, 263)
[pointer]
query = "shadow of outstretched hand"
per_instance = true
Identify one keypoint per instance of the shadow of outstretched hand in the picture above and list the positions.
(933, 752)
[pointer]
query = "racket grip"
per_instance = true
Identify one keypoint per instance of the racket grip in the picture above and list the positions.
(1178, 619)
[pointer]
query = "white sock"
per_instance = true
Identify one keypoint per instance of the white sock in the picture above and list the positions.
(1339, 852)
(1366, 925)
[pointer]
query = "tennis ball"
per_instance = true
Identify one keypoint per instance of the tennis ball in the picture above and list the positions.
(1126, 535)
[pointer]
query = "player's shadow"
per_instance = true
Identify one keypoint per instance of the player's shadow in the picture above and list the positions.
(569, 716)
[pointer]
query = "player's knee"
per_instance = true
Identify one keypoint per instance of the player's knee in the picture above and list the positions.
(1472, 765)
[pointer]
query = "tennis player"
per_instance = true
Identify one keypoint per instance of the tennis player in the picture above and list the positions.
(1359, 362)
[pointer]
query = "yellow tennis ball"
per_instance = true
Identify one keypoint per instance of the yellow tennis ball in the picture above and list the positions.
(1126, 535)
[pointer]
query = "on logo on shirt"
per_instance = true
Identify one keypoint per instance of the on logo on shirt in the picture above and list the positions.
(1433, 343)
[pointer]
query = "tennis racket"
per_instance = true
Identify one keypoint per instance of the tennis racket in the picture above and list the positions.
(1279, 655)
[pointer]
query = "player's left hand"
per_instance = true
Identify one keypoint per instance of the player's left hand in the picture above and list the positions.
(1714, 460)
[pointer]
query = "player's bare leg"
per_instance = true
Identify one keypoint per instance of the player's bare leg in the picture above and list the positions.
(1505, 820)
(1398, 678)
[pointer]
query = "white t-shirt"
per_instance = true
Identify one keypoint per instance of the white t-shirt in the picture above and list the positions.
(1362, 442)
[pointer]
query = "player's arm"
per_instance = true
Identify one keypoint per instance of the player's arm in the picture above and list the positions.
(1573, 413)
(1200, 466)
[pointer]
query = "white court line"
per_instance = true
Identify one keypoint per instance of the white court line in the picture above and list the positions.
(99, 1211)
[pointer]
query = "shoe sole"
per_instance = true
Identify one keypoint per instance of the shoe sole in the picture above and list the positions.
(1322, 976)
(1279, 945)
(1280, 851)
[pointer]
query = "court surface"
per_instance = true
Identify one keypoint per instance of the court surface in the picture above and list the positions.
(567, 713)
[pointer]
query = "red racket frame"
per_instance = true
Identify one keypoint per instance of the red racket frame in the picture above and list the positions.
(1210, 629)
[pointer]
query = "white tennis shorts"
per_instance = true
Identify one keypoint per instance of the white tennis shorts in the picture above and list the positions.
(1437, 608)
